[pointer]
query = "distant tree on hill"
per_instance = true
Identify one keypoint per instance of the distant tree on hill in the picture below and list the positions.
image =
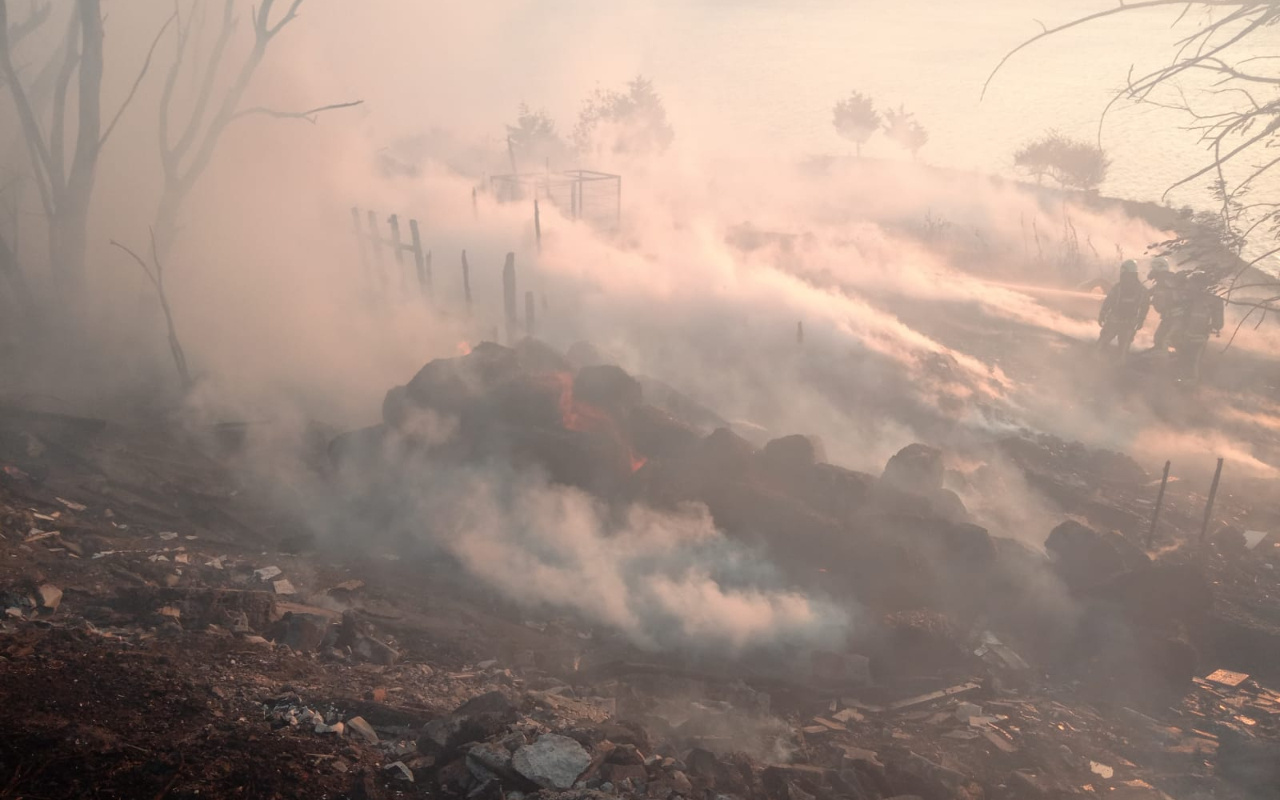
(902, 127)
(534, 139)
(1074, 164)
(634, 121)
(856, 119)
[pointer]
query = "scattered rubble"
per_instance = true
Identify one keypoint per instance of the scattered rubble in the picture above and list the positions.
(981, 668)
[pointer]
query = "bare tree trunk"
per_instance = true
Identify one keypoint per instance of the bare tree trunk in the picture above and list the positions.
(69, 227)
(16, 280)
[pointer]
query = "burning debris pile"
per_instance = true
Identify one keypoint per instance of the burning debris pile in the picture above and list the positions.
(937, 660)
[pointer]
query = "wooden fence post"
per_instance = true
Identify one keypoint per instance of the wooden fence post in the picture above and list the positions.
(1155, 517)
(509, 296)
(800, 333)
(537, 225)
(1208, 507)
(422, 263)
(528, 314)
(466, 282)
(475, 209)
(397, 249)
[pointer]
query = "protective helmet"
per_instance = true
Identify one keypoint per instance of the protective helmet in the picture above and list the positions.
(1159, 264)
(1129, 266)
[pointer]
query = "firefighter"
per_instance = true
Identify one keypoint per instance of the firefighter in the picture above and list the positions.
(1125, 310)
(1200, 314)
(1165, 299)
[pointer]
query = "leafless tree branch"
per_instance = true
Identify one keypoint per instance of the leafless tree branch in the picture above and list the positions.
(157, 280)
(309, 115)
(142, 73)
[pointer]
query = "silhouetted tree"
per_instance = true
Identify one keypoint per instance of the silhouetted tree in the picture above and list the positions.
(902, 127)
(1072, 163)
(634, 121)
(534, 139)
(856, 119)
(1236, 114)
(187, 145)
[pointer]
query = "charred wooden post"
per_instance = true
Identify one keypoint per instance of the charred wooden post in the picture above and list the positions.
(1155, 516)
(537, 224)
(397, 249)
(1208, 507)
(529, 324)
(420, 260)
(509, 296)
(800, 333)
(466, 282)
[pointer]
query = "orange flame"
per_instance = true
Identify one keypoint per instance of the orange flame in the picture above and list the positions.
(576, 415)
(464, 349)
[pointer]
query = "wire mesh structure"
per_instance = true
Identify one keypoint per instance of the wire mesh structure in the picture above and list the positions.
(593, 197)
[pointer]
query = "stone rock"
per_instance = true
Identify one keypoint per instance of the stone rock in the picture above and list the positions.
(625, 754)
(493, 703)
(374, 651)
(304, 633)
(363, 729)
(608, 388)
(399, 771)
(50, 596)
(1086, 559)
(617, 773)
(488, 761)
(915, 468)
(452, 385)
(791, 454)
(657, 434)
(724, 454)
(477, 719)
(552, 762)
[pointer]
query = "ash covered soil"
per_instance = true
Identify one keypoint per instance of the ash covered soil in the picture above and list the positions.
(175, 625)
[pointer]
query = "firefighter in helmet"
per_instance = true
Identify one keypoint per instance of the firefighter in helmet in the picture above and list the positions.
(1166, 295)
(1124, 311)
(1200, 314)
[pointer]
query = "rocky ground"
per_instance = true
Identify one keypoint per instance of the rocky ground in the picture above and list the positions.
(173, 629)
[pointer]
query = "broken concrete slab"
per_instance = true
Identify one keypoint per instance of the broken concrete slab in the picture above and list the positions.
(552, 762)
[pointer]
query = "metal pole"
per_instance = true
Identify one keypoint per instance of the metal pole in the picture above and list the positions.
(1155, 517)
(1208, 507)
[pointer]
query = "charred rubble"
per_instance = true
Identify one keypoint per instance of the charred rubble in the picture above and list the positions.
(179, 636)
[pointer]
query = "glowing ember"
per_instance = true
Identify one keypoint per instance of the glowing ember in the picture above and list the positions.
(576, 415)
(464, 349)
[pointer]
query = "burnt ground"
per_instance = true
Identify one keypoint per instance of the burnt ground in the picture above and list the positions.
(146, 653)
